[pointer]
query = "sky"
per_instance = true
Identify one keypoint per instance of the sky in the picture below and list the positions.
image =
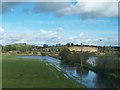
(38, 23)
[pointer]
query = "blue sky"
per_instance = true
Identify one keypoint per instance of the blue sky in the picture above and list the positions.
(52, 23)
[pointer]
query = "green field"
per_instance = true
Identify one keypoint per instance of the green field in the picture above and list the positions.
(25, 73)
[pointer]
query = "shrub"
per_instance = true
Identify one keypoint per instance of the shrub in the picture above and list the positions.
(108, 64)
(73, 58)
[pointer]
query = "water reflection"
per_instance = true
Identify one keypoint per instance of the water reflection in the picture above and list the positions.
(84, 71)
(105, 82)
(70, 70)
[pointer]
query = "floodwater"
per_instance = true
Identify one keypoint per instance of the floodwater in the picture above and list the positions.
(87, 77)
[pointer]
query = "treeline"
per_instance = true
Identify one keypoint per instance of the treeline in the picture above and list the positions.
(17, 47)
(25, 46)
(106, 49)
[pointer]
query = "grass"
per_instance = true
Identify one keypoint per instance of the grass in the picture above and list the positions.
(26, 73)
(0, 69)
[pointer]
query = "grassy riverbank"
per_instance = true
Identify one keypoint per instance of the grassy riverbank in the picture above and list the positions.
(25, 73)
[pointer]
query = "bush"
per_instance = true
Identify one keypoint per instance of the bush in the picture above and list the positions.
(35, 52)
(64, 53)
(43, 54)
(73, 58)
(108, 64)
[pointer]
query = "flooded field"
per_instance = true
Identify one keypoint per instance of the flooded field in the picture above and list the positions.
(87, 77)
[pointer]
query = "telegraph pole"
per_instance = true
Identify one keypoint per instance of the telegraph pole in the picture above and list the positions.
(81, 55)
(81, 60)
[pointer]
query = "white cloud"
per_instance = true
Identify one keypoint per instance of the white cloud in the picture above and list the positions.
(52, 37)
(82, 34)
(84, 8)
(37, 38)
(98, 1)
(49, 34)
(59, 29)
(1, 34)
(1, 30)
(87, 9)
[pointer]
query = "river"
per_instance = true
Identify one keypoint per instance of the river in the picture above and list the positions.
(87, 77)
